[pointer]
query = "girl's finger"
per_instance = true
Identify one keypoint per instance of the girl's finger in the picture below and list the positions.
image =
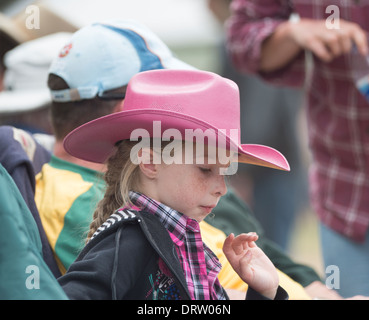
(243, 241)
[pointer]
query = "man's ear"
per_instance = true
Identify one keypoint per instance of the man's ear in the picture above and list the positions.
(147, 166)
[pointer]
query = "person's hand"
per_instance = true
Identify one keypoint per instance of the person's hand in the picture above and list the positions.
(251, 263)
(326, 43)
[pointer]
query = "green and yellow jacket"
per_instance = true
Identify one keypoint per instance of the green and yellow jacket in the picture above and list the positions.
(66, 197)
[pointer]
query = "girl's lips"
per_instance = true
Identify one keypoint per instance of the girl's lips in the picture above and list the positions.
(208, 209)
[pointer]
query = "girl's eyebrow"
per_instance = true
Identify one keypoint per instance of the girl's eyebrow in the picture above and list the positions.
(215, 163)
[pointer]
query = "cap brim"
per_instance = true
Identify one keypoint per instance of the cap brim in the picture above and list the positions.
(93, 142)
(20, 101)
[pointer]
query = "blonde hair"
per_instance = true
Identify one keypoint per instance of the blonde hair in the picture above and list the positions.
(121, 176)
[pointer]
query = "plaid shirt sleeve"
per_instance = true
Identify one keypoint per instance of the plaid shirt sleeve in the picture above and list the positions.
(251, 23)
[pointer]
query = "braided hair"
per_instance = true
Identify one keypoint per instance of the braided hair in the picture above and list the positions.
(120, 177)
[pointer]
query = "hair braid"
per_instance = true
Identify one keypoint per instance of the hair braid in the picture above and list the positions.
(120, 177)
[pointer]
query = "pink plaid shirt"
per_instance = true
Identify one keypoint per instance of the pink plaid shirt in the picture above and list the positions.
(200, 265)
(337, 114)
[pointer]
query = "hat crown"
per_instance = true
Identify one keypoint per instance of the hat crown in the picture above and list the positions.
(201, 95)
(159, 100)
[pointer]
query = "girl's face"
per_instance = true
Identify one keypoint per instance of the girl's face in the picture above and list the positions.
(192, 189)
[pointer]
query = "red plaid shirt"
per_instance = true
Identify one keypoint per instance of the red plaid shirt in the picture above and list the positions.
(338, 116)
(200, 265)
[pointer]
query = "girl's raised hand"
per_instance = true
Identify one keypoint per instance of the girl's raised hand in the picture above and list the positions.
(251, 263)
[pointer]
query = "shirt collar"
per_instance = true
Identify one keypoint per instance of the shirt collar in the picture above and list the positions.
(175, 222)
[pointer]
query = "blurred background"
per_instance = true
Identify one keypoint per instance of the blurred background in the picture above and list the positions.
(187, 27)
(193, 30)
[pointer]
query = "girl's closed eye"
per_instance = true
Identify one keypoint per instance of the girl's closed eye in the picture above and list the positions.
(205, 169)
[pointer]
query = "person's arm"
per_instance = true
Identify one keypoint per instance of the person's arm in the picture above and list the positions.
(249, 25)
(105, 268)
(289, 38)
(89, 278)
(262, 40)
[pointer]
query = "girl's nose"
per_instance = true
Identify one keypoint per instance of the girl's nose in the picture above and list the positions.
(221, 187)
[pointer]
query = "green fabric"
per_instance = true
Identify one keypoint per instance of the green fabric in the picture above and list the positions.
(69, 194)
(232, 215)
(23, 272)
(77, 220)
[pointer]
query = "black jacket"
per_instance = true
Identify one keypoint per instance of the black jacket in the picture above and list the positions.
(133, 257)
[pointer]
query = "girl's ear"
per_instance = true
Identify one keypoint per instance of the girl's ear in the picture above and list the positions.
(147, 167)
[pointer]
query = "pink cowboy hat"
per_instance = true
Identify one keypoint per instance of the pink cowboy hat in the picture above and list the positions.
(178, 99)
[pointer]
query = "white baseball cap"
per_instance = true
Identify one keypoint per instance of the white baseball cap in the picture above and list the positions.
(25, 78)
(105, 55)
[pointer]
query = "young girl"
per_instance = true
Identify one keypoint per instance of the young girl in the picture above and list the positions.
(145, 240)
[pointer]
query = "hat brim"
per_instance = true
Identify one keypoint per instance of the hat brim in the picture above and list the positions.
(25, 100)
(95, 141)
